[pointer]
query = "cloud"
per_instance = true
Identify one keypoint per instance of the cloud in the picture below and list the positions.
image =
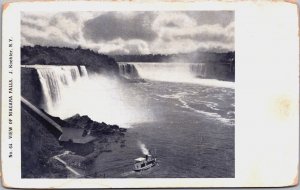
(131, 32)
(54, 29)
(179, 33)
(135, 47)
(119, 25)
(120, 46)
(222, 18)
(173, 21)
(49, 31)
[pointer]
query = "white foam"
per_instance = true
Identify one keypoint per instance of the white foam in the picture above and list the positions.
(176, 72)
(98, 96)
(184, 104)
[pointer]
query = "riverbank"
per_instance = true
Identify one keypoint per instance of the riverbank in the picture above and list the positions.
(94, 62)
(45, 156)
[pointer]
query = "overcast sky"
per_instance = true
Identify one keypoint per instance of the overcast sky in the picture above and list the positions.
(131, 32)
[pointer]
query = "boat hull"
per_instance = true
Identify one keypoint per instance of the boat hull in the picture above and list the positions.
(145, 168)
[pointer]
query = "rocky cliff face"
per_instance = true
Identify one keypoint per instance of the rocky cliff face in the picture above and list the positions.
(38, 145)
(31, 87)
(92, 127)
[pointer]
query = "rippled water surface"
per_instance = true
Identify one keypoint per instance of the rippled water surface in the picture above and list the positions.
(190, 130)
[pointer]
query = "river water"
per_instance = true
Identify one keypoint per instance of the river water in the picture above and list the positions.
(186, 122)
(190, 130)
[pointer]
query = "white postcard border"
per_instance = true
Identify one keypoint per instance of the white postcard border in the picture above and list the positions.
(260, 158)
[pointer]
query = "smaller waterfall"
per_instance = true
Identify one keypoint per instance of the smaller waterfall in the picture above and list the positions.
(199, 70)
(128, 71)
(83, 71)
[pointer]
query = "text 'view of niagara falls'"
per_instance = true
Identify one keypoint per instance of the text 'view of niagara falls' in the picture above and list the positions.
(128, 94)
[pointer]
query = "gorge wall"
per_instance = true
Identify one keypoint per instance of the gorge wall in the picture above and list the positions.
(38, 145)
(31, 87)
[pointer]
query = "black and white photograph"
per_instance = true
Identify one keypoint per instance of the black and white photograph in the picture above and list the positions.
(128, 94)
(149, 94)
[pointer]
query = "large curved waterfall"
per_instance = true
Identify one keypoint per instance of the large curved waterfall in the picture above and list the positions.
(196, 73)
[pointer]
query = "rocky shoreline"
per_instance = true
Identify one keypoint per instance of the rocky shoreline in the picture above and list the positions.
(41, 148)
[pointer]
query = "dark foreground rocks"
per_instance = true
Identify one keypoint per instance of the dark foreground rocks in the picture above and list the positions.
(92, 127)
(37, 146)
(86, 139)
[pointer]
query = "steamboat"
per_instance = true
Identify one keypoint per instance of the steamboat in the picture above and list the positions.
(144, 163)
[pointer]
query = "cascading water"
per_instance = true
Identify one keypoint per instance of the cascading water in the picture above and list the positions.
(54, 81)
(195, 73)
(128, 71)
(83, 71)
(69, 90)
(198, 70)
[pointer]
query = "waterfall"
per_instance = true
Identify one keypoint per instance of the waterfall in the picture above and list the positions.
(171, 72)
(83, 71)
(196, 73)
(69, 90)
(198, 69)
(128, 71)
(55, 79)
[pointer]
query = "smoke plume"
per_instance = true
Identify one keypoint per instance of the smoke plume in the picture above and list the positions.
(143, 148)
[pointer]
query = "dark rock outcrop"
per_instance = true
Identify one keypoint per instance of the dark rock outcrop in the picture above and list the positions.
(31, 87)
(95, 128)
(38, 145)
